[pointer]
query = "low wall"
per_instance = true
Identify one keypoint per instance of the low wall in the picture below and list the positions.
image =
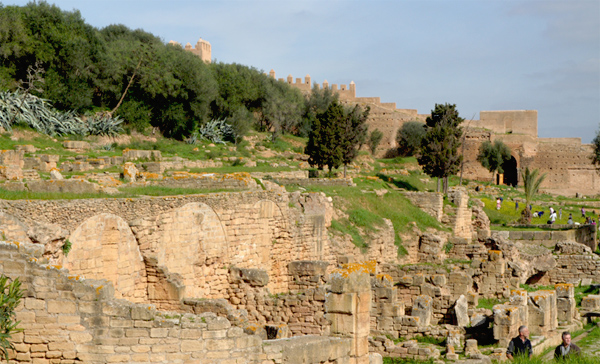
(583, 234)
(67, 319)
(315, 181)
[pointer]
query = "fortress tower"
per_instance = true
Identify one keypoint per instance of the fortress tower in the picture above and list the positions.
(202, 49)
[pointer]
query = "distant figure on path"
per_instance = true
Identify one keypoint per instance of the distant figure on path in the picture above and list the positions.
(551, 210)
(582, 212)
(560, 213)
(520, 345)
(498, 203)
(516, 205)
(570, 221)
(567, 349)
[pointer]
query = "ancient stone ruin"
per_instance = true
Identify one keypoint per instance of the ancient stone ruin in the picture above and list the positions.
(255, 277)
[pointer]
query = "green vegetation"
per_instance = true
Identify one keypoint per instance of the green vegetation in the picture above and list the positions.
(439, 155)
(409, 138)
(531, 183)
(374, 139)
(540, 359)
(365, 208)
(493, 156)
(132, 74)
(66, 248)
(595, 157)
(489, 303)
(336, 136)
(10, 297)
(407, 361)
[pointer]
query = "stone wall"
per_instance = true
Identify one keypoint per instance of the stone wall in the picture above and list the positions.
(583, 234)
(192, 239)
(430, 202)
(67, 319)
(70, 320)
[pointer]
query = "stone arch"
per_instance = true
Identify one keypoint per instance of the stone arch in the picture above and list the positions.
(104, 247)
(271, 243)
(191, 242)
(511, 172)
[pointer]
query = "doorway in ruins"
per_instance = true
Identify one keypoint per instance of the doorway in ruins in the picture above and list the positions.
(511, 175)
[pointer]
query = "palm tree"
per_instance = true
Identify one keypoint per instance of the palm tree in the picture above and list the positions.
(531, 182)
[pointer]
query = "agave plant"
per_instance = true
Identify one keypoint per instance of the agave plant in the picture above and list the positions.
(38, 113)
(217, 131)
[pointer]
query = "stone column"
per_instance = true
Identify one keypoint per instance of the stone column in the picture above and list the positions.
(542, 312)
(508, 317)
(348, 307)
(565, 302)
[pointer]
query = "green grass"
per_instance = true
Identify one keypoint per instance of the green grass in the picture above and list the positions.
(489, 303)
(582, 291)
(366, 208)
(530, 288)
(539, 359)
(345, 227)
(387, 360)
(125, 192)
(430, 340)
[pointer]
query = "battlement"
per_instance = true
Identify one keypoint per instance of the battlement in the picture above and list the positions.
(346, 92)
(202, 49)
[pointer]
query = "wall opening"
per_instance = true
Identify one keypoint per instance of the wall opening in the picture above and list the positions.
(511, 175)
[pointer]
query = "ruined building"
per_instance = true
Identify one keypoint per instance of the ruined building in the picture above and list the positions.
(202, 49)
(565, 160)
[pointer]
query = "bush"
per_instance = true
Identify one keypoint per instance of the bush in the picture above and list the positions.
(10, 297)
(409, 138)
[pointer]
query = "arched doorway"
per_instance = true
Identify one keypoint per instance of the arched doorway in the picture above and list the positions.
(511, 176)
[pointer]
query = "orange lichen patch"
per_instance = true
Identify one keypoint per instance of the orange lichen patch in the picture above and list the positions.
(384, 277)
(150, 175)
(54, 169)
(74, 278)
(98, 289)
(369, 267)
(372, 178)
(14, 243)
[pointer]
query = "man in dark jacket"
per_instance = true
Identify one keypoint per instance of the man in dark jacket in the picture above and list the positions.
(567, 349)
(520, 345)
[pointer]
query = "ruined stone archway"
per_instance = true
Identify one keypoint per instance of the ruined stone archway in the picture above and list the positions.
(511, 174)
(104, 247)
(190, 241)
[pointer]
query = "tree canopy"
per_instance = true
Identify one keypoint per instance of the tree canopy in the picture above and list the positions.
(136, 76)
(439, 146)
(493, 156)
(596, 149)
(409, 138)
(336, 136)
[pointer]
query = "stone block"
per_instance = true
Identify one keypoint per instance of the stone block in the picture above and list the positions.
(254, 277)
(307, 268)
(591, 303)
(423, 310)
(341, 303)
(461, 310)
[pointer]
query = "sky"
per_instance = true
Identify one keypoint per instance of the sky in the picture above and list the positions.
(539, 55)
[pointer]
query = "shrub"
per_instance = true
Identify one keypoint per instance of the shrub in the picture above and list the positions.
(10, 297)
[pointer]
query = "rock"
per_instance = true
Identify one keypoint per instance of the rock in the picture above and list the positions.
(254, 277)
(130, 172)
(55, 174)
(27, 148)
(471, 349)
(423, 310)
(461, 308)
(375, 358)
(76, 145)
(51, 236)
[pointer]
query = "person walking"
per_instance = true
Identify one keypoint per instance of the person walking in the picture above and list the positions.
(520, 345)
